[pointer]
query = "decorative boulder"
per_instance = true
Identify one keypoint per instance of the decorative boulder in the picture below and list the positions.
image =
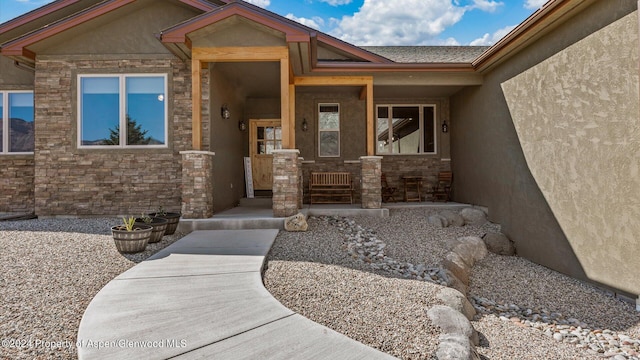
(457, 266)
(473, 216)
(452, 281)
(456, 347)
(471, 249)
(297, 222)
(437, 221)
(453, 218)
(452, 322)
(456, 300)
(499, 243)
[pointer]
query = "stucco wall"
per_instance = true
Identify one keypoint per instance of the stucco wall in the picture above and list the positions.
(580, 136)
(227, 141)
(489, 164)
(12, 78)
(72, 181)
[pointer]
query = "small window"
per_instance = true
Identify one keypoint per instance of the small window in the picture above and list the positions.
(406, 129)
(135, 103)
(17, 133)
(329, 130)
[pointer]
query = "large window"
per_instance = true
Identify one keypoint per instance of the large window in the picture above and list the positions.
(109, 103)
(329, 130)
(16, 122)
(406, 129)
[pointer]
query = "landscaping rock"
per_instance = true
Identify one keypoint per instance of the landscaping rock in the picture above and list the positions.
(437, 221)
(456, 300)
(452, 281)
(499, 243)
(451, 321)
(297, 222)
(471, 249)
(457, 266)
(473, 216)
(456, 347)
(453, 218)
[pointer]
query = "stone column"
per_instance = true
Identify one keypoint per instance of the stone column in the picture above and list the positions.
(371, 171)
(197, 184)
(286, 180)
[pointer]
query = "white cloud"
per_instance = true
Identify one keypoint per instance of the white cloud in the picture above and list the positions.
(261, 3)
(487, 39)
(486, 5)
(383, 22)
(315, 22)
(534, 4)
(336, 2)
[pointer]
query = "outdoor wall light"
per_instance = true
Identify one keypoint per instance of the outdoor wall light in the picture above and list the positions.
(242, 125)
(224, 112)
(445, 127)
(305, 125)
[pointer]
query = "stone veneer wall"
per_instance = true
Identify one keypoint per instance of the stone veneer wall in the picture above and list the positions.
(197, 187)
(72, 181)
(16, 183)
(286, 187)
(394, 167)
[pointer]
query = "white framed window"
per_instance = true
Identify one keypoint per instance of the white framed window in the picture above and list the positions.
(329, 130)
(136, 103)
(17, 133)
(406, 129)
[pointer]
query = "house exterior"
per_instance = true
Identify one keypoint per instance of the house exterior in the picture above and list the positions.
(121, 106)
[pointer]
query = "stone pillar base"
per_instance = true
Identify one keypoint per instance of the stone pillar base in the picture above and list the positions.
(371, 182)
(286, 182)
(197, 184)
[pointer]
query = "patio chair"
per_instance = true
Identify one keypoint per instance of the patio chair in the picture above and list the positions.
(387, 191)
(442, 190)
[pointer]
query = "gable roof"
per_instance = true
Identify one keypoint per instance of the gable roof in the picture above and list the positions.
(17, 47)
(428, 54)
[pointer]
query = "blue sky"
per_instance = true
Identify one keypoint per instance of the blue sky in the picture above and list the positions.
(385, 22)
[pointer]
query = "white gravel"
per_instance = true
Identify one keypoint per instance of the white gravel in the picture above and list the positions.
(312, 274)
(50, 269)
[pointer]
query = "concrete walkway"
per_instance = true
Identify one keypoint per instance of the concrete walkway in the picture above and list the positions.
(203, 298)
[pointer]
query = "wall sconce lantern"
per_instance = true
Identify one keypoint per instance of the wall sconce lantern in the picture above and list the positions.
(305, 125)
(445, 127)
(224, 112)
(242, 125)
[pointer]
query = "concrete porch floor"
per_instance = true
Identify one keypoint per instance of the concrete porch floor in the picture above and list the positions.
(257, 213)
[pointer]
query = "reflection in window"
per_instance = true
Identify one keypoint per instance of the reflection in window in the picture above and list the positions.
(329, 130)
(135, 103)
(269, 138)
(17, 132)
(406, 129)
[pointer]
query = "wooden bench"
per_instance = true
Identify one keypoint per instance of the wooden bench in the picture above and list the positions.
(330, 188)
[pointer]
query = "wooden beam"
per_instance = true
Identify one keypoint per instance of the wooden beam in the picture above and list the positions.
(363, 93)
(292, 115)
(241, 54)
(287, 126)
(196, 100)
(332, 80)
(371, 133)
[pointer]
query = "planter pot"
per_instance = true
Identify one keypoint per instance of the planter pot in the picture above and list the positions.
(159, 226)
(172, 219)
(131, 241)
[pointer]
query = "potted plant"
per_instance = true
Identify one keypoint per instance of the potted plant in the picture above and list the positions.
(131, 237)
(172, 218)
(159, 225)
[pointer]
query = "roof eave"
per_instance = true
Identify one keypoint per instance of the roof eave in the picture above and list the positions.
(323, 66)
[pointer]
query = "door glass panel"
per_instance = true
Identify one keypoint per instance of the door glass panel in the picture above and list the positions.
(278, 133)
(270, 133)
(260, 132)
(278, 145)
(270, 147)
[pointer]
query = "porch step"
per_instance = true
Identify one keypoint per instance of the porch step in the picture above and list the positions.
(259, 201)
(236, 223)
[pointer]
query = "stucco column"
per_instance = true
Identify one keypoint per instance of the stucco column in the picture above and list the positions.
(286, 179)
(197, 184)
(371, 172)
(300, 183)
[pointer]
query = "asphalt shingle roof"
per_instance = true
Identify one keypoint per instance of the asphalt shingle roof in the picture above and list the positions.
(428, 54)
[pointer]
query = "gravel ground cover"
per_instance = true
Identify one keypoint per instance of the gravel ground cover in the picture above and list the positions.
(50, 269)
(312, 274)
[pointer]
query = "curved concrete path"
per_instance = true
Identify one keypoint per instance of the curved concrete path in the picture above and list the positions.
(203, 298)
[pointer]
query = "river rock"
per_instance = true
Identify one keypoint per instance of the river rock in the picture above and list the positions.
(473, 216)
(499, 243)
(297, 222)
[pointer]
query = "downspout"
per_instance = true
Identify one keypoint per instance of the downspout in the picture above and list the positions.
(25, 67)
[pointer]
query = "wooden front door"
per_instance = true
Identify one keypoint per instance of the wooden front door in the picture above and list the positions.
(265, 136)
